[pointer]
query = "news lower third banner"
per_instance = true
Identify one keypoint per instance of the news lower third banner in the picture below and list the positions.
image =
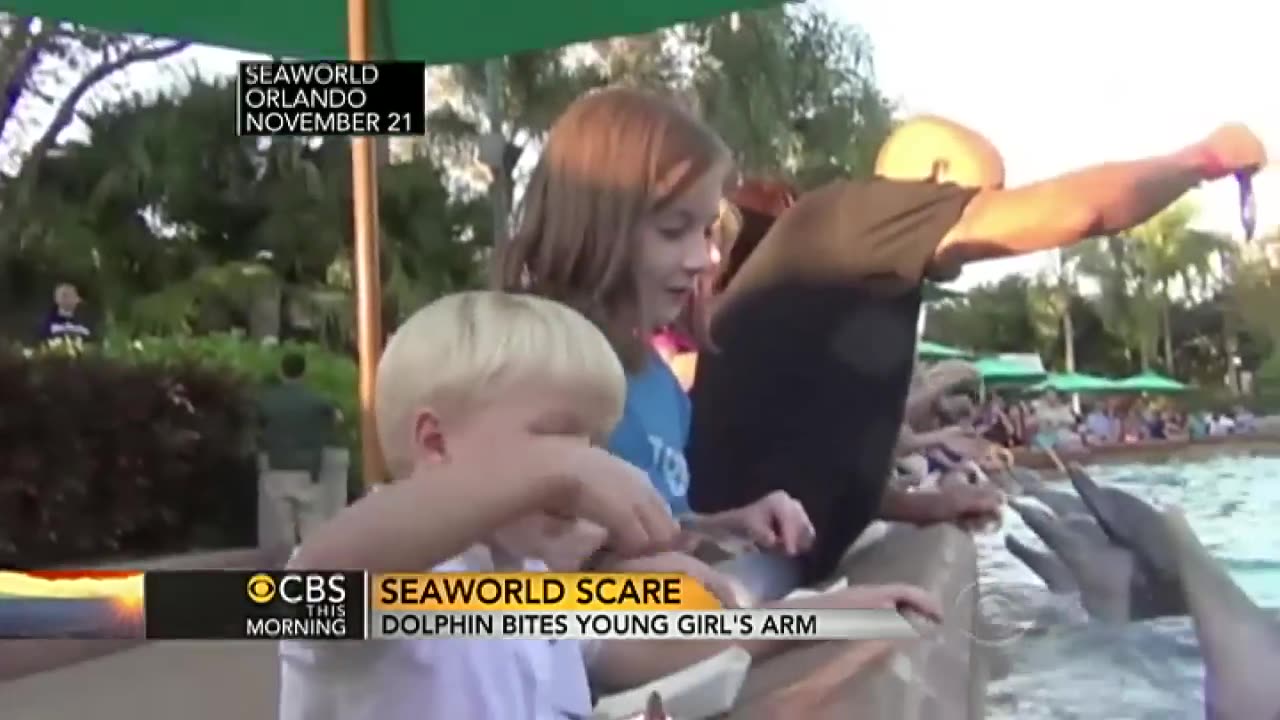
(763, 624)
(276, 605)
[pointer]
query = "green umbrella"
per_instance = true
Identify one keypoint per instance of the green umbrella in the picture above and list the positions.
(1075, 383)
(999, 371)
(937, 351)
(442, 32)
(1151, 382)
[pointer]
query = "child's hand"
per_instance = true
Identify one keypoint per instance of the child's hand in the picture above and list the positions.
(619, 497)
(725, 589)
(776, 521)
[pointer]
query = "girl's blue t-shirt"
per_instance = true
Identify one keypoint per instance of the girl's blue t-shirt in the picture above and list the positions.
(654, 429)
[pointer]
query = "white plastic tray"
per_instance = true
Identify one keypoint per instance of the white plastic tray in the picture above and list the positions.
(700, 691)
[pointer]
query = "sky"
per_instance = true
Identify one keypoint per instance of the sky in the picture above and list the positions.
(1057, 86)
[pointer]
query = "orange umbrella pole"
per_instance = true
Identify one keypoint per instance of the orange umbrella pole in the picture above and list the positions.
(364, 186)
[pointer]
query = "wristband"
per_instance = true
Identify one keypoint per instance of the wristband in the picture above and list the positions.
(1210, 167)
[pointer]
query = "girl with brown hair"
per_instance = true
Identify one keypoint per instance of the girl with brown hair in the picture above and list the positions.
(617, 222)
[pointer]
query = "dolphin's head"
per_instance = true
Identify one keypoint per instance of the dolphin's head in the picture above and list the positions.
(1133, 524)
(1239, 642)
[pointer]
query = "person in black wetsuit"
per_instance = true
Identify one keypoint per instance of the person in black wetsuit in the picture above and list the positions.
(813, 339)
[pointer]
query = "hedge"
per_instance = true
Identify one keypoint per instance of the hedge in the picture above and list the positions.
(137, 448)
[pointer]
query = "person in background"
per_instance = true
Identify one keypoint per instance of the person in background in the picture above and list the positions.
(64, 323)
(1019, 420)
(1197, 425)
(1053, 419)
(1221, 424)
(1155, 424)
(1246, 421)
(296, 426)
(1099, 427)
(995, 424)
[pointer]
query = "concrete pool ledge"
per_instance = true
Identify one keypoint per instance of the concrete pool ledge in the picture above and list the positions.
(939, 677)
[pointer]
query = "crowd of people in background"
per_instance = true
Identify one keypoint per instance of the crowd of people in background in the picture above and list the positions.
(1051, 421)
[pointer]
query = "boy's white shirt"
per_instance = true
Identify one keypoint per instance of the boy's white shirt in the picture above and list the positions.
(444, 678)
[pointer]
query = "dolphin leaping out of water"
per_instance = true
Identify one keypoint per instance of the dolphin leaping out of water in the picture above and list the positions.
(1109, 546)
(1240, 643)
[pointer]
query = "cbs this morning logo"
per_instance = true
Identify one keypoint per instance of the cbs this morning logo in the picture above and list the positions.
(298, 588)
(313, 606)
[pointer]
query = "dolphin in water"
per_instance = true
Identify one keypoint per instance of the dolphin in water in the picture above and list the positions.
(1239, 641)
(1136, 563)
(1116, 556)
(1075, 537)
(1063, 504)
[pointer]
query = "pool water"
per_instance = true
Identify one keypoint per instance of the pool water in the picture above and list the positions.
(1148, 669)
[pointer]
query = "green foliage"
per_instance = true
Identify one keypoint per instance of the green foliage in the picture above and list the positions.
(140, 445)
(1267, 385)
(1146, 277)
(254, 363)
(993, 318)
(99, 456)
(793, 92)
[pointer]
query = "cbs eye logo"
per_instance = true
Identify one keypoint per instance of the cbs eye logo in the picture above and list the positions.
(297, 588)
(261, 589)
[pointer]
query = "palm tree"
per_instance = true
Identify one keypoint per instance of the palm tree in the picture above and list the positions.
(1137, 276)
(1170, 250)
(1123, 298)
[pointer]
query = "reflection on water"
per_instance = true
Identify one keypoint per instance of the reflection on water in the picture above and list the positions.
(1150, 669)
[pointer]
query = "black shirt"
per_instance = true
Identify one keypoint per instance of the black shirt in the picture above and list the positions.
(805, 388)
(58, 325)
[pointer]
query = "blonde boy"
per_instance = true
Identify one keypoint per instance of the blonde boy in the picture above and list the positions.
(486, 405)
